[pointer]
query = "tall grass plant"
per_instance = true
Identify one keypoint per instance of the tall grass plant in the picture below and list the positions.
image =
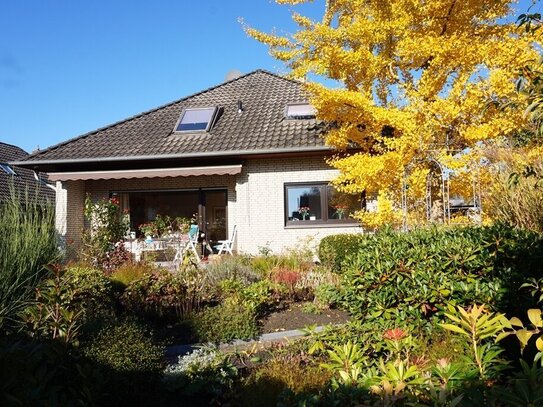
(27, 244)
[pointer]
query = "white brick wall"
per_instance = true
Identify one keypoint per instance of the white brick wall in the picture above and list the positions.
(260, 209)
(255, 200)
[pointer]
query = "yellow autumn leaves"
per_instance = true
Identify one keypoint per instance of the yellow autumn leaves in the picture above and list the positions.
(418, 81)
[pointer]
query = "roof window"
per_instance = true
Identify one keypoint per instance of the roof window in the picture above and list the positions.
(196, 119)
(299, 111)
(7, 169)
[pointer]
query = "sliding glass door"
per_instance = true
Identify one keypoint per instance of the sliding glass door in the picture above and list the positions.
(208, 204)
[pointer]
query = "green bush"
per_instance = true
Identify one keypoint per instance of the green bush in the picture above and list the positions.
(163, 294)
(334, 250)
(131, 271)
(225, 323)
(259, 297)
(125, 348)
(206, 376)
(36, 373)
(232, 268)
(93, 292)
(27, 244)
(396, 275)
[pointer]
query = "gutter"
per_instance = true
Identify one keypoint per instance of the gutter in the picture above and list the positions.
(210, 154)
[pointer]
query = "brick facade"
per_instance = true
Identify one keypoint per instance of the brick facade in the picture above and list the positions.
(255, 200)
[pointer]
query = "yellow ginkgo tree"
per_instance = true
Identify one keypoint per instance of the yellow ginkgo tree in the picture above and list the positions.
(417, 80)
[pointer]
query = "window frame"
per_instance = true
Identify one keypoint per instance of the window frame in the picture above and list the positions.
(8, 169)
(325, 221)
(209, 123)
(300, 117)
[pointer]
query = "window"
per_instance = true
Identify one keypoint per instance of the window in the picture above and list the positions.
(196, 119)
(7, 169)
(300, 111)
(316, 203)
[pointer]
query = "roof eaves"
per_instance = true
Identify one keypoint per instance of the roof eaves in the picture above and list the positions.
(170, 156)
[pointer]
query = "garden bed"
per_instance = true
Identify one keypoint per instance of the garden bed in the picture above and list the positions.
(298, 317)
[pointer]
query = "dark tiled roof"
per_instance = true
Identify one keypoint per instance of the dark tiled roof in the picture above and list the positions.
(261, 125)
(24, 182)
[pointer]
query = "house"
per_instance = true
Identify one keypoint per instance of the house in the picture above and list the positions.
(247, 152)
(20, 180)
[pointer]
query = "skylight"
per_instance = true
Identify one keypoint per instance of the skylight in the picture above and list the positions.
(196, 119)
(300, 111)
(7, 169)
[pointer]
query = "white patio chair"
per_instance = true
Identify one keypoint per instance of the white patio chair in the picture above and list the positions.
(188, 244)
(193, 240)
(227, 245)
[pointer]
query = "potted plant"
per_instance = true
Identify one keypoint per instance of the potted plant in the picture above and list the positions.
(340, 210)
(148, 230)
(304, 211)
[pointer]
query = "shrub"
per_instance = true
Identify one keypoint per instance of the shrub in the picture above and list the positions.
(231, 268)
(205, 374)
(27, 244)
(516, 196)
(103, 246)
(288, 278)
(131, 271)
(396, 275)
(225, 323)
(54, 314)
(92, 291)
(335, 249)
(259, 297)
(34, 373)
(279, 381)
(125, 349)
(164, 294)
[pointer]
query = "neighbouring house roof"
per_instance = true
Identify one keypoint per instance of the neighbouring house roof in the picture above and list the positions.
(259, 127)
(23, 181)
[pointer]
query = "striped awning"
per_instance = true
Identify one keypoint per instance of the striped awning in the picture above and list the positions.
(147, 173)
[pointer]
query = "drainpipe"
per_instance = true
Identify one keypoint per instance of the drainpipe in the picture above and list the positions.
(37, 178)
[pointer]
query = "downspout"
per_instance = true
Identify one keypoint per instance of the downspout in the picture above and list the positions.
(37, 178)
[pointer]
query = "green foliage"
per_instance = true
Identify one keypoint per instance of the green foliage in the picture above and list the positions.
(237, 268)
(125, 348)
(131, 271)
(27, 244)
(54, 313)
(44, 374)
(225, 323)
(478, 326)
(411, 275)
(525, 333)
(258, 297)
(525, 387)
(516, 197)
(107, 228)
(93, 292)
(164, 294)
(283, 380)
(205, 374)
(334, 250)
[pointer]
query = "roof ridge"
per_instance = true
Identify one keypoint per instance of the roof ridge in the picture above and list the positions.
(146, 112)
(13, 145)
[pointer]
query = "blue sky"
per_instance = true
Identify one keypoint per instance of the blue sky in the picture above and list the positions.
(70, 66)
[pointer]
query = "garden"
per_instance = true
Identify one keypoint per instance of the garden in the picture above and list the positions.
(437, 316)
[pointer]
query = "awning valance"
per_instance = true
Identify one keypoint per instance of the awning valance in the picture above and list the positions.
(148, 173)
